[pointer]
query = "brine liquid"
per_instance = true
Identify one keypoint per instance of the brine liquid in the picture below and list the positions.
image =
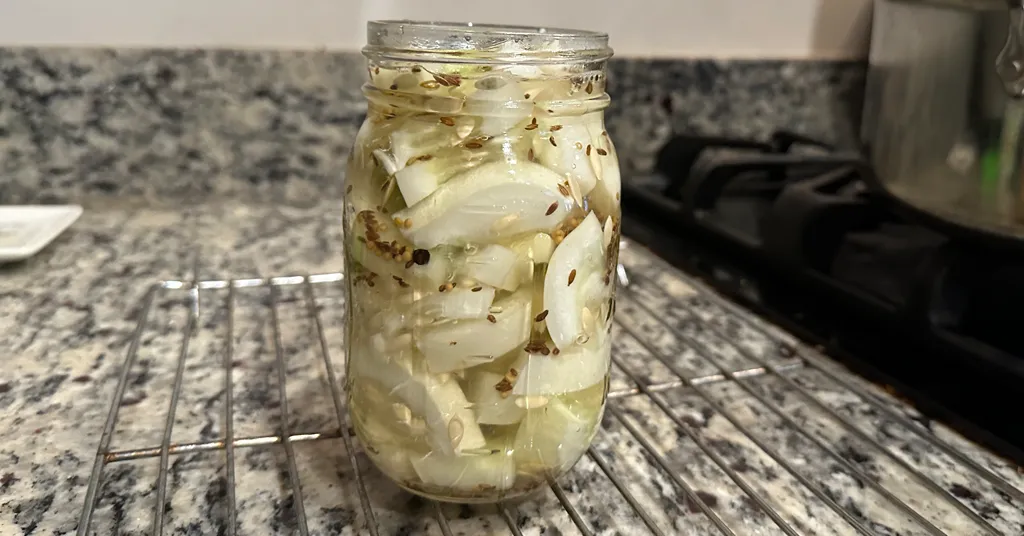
(482, 228)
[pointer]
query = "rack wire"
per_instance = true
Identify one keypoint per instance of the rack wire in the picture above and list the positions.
(641, 292)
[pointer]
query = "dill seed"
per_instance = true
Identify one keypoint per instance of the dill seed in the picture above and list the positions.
(376, 70)
(556, 128)
(552, 209)
(442, 288)
(476, 289)
(448, 121)
(572, 276)
(588, 150)
(552, 140)
(473, 145)
(529, 156)
(452, 343)
(408, 264)
(544, 350)
(533, 120)
(565, 191)
(491, 319)
(540, 317)
(531, 126)
(348, 189)
(602, 152)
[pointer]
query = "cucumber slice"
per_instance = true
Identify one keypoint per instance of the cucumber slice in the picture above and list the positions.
(467, 473)
(440, 401)
(574, 284)
(569, 371)
(491, 399)
(389, 261)
(464, 343)
(551, 438)
(498, 266)
(492, 201)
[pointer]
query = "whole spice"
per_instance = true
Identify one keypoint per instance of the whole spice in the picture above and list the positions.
(552, 209)
(420, 256)
(541, 316)
(572, 276)
(491, 319)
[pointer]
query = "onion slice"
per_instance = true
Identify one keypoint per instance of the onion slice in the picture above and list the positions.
(574, 283)
(489, 202)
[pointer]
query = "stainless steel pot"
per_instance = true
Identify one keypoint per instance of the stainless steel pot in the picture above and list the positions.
(943, 118)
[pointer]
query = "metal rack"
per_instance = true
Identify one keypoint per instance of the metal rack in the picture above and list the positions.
(630, 294)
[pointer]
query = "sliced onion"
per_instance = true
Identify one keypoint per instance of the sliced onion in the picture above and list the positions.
(569, 371)
(438, 400)
(465, 343)
(579, 257)
(489, 202)
(458, 303)
(537, 247)
(569, 154)
(466, 472)
(387, 267)
(498, 266)
(420, 139)
(491, 407)
(552, 437)
(499, 102)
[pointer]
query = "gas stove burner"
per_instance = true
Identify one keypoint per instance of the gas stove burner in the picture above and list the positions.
(796, 214)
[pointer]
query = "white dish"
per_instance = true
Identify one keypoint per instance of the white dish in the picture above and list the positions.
(24, 230)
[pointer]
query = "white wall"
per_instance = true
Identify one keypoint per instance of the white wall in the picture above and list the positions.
(709, 28)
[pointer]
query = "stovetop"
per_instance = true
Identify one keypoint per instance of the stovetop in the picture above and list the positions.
(790, 228)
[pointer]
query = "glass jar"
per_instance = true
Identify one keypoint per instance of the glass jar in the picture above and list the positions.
(481, 230)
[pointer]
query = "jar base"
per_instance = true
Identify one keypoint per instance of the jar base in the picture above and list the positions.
(512, 496)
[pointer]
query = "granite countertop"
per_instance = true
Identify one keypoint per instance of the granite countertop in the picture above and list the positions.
(68, 313)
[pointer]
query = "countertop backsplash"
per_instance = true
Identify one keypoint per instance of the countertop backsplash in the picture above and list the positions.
(163, 125)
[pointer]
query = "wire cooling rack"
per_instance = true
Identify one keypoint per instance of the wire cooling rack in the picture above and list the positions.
(641, 296)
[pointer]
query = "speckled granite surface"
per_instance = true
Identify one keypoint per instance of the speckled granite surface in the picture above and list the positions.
(278, 125)
(66, 317)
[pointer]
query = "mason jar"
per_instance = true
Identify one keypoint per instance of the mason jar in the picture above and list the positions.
(481, 231)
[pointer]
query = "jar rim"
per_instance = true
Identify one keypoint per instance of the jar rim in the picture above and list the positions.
(469, 42)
